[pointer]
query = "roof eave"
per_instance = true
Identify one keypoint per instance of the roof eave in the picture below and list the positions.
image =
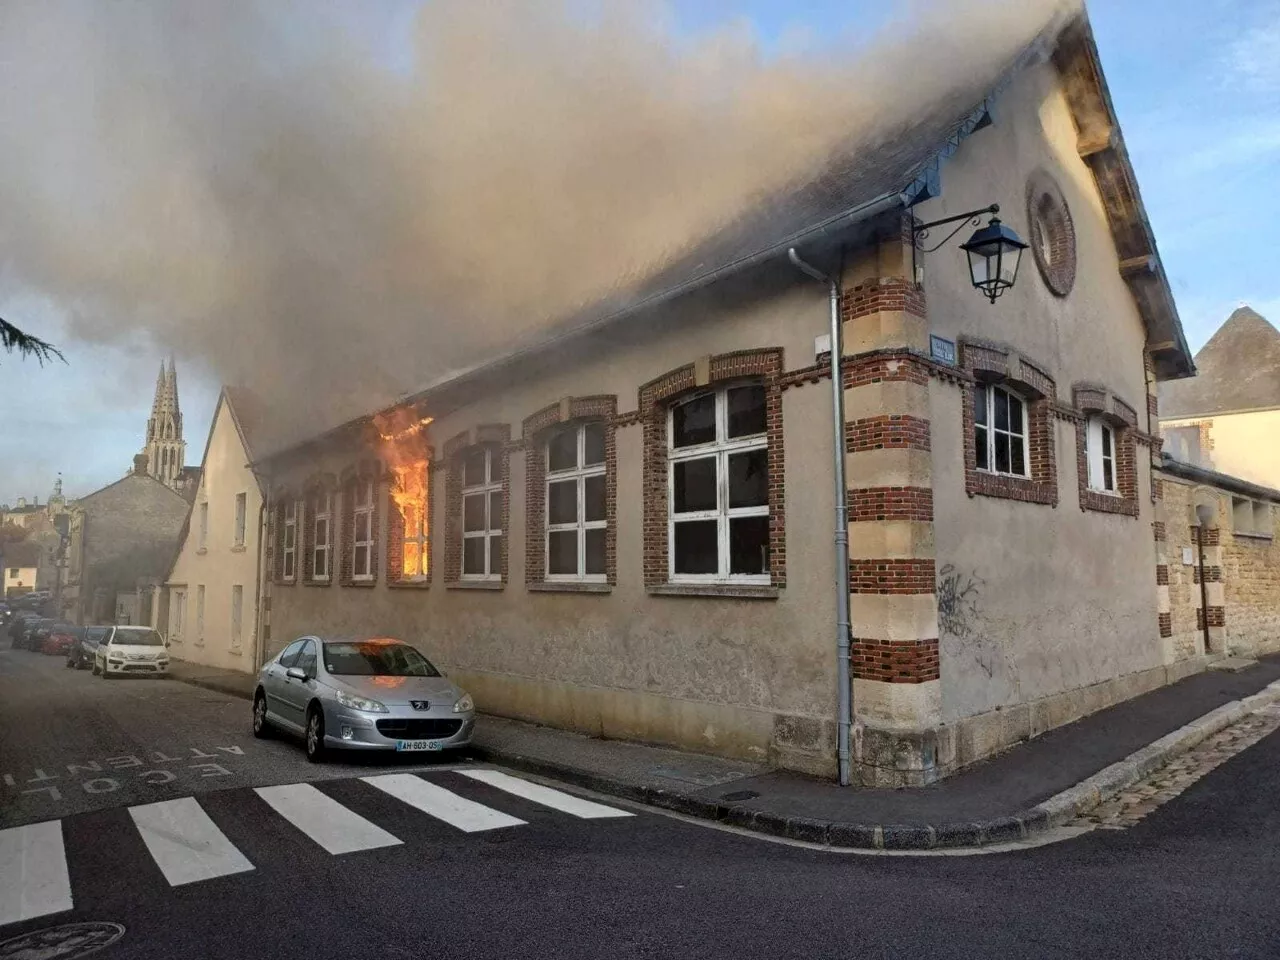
(1101, 146)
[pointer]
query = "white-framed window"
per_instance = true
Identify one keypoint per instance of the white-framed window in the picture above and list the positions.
(241, 506)
(362, 531)
(482, 514)
(237, 612)
(177, 613)
(289, 541)
(1000, 431)
(1100, 454)
(415, 545)
(203, 540)
(576, 524)
(200, 614)
(718, 486)
(321, 545)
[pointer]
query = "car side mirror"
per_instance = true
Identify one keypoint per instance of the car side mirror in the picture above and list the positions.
(296, 673)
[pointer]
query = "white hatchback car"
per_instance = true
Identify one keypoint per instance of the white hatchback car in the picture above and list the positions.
(125, 650)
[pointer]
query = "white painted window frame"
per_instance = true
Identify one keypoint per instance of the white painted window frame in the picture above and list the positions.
(237, 615)
(579, 474)
(493, 526)
(289, 543)
(987, 395)
(1096, 458)
(322, 548)
(363, 507)
(721, 448)
(241, 511)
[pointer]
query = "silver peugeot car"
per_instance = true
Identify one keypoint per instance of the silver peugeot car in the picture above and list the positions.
(360, 694)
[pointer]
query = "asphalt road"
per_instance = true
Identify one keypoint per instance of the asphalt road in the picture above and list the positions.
(1198, 878)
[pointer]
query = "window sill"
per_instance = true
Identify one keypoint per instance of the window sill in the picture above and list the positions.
(727, 590)
(201, 551)
(239, 548)
(1097, 501)
(1260, 537)
(409, 584)
(369, 582)
(568, 586)
(321, 583)
(1008, 487)
(475, 585)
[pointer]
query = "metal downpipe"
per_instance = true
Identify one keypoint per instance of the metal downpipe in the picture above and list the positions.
(844, 702)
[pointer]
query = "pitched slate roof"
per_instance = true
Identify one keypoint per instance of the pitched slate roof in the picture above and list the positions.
(1239, 370)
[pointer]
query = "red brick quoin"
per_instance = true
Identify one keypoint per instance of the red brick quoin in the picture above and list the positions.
(894, 662)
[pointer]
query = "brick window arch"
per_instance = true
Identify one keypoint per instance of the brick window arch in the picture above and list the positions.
(1008, 422)
(1105, 424)
(664, 402)
(477, 506)
(571, 448)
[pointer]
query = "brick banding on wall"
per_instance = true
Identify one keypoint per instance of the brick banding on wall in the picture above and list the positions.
(1153, 405)
(1158, 531)
(1212, 574)
(889, 431)
(891, 503)
(1162, 574)
(886, 576)
(1217, 617)
(880, 296)
(654, 399)
(534, 430)
(909, 661)
(1211, 537)
(1166, 624)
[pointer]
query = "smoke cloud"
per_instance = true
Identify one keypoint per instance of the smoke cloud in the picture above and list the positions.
(334, 203)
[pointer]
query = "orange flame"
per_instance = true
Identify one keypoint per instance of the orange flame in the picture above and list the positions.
(404, 449)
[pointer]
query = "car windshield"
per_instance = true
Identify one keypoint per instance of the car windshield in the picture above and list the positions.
(376, 658)
(137, 637)
(95, 633)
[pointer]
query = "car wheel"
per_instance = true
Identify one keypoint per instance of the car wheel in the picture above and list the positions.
(261, 727)
(95, 668)
(315, 735)
(71, 664)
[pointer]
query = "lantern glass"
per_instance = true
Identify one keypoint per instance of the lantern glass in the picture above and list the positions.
(995, 253)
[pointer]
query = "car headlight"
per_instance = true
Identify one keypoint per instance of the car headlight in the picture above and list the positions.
(465, 704)
(363, 704)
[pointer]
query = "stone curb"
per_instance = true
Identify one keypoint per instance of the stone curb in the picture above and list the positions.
(1058, 809)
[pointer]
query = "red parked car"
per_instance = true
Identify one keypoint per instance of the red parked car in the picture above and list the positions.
(61, 637)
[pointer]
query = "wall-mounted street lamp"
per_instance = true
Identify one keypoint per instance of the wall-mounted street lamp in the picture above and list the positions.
(994, 251)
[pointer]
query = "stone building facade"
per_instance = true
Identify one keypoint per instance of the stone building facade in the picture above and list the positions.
(629, 531)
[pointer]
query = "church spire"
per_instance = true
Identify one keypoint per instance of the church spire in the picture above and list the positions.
(165, 450)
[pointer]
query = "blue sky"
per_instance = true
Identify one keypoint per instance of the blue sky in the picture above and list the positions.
(1196, 84)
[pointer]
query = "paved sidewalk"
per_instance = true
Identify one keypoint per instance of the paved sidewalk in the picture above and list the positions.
(1053, 779)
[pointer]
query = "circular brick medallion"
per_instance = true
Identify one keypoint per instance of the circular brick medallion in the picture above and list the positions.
(1053, 235)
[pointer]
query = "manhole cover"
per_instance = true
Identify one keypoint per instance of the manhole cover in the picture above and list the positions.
(66, 941)
(739, 795)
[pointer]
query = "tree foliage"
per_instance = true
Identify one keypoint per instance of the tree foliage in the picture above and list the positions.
(11, 339)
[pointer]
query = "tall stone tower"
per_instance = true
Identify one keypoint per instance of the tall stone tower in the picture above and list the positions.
(165, 450)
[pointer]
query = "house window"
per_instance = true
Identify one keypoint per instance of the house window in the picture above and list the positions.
(416, 542)
(1000, 431)
(362, 532)
(200, 614)
(576, 521)
(1100, 451)
(178, 613)
(718, 483)
(240, 511)
(203, 540)
(237, 611)
(320, 542)
(13, 572)
(289, 542)
(481, 514)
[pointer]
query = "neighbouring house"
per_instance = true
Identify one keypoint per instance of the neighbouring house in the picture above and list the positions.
(1227, 418)
(627, 529)
(121, 539)
(1237, 549)
(209, 607)
(21, 562)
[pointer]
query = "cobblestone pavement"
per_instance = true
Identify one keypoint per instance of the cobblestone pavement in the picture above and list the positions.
(1129, 806)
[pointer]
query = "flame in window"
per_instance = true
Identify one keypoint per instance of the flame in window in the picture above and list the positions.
(405, 451)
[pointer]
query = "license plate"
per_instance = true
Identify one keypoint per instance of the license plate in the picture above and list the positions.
(403, 745)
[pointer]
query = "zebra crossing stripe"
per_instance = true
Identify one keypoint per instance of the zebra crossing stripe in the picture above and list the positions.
(555, 799)
(33, 872)
(186, 845)
(441, 803)
(324, 819)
